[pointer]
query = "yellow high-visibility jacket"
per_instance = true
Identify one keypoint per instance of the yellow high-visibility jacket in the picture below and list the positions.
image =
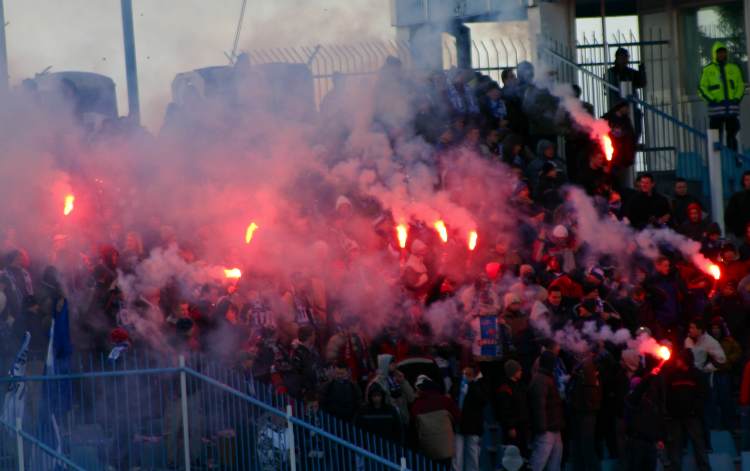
(722, 86)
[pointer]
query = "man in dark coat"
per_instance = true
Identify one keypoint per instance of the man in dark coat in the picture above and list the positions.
(341, 397)
(680, 202)
(585, 402)
(546, 416)
(512, 409)
(647, 207)
(379, 417)
(685, 396)
(737, 214)
(305, 365)
(471, 397)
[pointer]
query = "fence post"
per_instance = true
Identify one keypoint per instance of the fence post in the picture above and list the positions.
(403, 463)
(185, 426)
(626, 91)
(19, 444)
(290, 439)
(715, 179)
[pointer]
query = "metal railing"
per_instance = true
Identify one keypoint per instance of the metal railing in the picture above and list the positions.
(20, 451)
(130, 414)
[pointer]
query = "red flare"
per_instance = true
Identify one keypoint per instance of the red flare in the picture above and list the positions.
(607, 147)
(249, 232)
(473, 236)
(402, 233)
(664, 353)
(442, 230)
(715, 271)
(232, 273)
(68, 208)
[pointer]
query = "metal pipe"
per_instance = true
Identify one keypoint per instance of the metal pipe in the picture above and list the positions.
(715, 178)
(603, 7)
(3, 52)
(131, 70)
(185, 426)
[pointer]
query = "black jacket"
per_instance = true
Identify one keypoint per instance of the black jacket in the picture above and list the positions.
(545, 403)
(472, 412)
(383, 421)
(737, 214)
(685, 393)
(304, 372)
(341, 399)
(643, 209)
(511, 406)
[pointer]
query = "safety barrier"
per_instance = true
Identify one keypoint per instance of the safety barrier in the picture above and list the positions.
(129, 414)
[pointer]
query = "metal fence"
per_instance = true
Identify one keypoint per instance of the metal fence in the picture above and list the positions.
(365, 59)
(129, 414)
(20, 451)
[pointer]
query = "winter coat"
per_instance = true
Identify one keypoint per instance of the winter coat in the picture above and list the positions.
(545, 403)
(666, 293)
(585, 390)
(399, 395)
(679, 208)
(383, 421)
(707, 352)
(433, 416)
(722, 85)
(685, 393)
(737, 214)
(694, 230)
(624, 139)
(643, 209)
(644, 416)
(304, 374)
(341, 399)
(472, 406)
(627, 74)
(511, 406)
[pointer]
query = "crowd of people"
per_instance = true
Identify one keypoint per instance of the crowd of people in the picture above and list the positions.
(507, 369)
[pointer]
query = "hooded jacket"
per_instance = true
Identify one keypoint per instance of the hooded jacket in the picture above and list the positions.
(399, 395)
(383, 421)
(721, 85)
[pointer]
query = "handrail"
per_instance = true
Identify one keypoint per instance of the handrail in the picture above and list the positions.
(44, 447)
(292, 419)
(91, 374)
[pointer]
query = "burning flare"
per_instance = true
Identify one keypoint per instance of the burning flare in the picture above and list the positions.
(442, 231)
(249, 232)
(473, 236)
(232, 273)
(664, 353)
(402, 233)
(68, 208)
(607, 147)
(714, 271)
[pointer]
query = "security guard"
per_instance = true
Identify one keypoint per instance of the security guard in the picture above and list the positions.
(722, 87)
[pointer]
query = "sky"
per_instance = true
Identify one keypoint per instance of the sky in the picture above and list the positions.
(172, 36)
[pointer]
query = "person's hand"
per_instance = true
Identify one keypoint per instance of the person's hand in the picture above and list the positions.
(512, 434)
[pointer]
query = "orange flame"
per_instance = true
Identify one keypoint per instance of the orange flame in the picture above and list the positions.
(664, 353)
(473, 236)
(607, 147)
(442, 231)
(715, 271)
(68, 208)
(249, 232)
(402, 233)
(232, 273)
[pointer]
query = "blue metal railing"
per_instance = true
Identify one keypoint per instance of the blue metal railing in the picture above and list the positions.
(128, 414)
(30, 447)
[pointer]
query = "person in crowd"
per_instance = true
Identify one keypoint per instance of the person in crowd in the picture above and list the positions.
(708, 356)
(493, 108)
(306, 365)
(621, 72)
(645, 427)
(681, 200)
(547, 417)
(722, 377)
(723, 87)
(471, 397)
(647, 207)
(433, 418)
(695, 226)
(685, 396)
(379, 417)
(340, 396)
(666, 291)
(545, 153)
(585, 400)
(512, 410)
(624, 141)
(737, 213)
(398, 391)
(744, 249)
